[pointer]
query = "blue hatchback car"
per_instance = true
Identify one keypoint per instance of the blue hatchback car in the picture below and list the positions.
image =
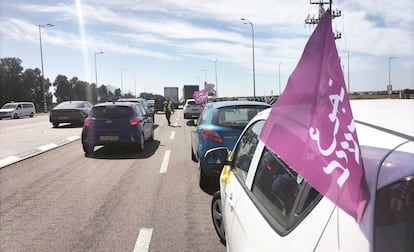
(220, 125)
(117, 123)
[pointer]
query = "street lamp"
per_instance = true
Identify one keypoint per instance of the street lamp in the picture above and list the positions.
(96, 77)
(41, 60)
(122, 83)
(280, 90)
(215, 68)
(389, 88)
(245, 21)
(205, 77)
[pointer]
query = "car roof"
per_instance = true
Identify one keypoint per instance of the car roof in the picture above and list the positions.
(117, 103)
(132, 100)
(220, 104)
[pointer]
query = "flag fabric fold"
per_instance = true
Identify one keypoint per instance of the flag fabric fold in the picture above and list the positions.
(201, 96)
(311, 126)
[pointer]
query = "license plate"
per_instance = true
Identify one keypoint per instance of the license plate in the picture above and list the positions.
(109, 138)
(63, 117)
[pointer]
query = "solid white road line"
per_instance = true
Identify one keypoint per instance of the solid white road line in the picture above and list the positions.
(165, 160)
(143, 240)
(172, 135)
(73, 138)
(47, 147)
(8, 160)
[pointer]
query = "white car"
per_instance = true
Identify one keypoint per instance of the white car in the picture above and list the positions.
(253, 211)
(16, 110)
(191, 110)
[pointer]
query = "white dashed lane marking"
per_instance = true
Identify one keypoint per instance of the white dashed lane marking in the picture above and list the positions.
(143, 240)
(172, 135)
(165, 160)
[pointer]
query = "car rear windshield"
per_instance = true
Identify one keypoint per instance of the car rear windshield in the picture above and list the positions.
(70, 105)
(236, 116)
(112, 112)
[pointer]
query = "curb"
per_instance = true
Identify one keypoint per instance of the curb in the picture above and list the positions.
(36, 151)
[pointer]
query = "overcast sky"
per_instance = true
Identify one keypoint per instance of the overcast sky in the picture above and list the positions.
(150, 44)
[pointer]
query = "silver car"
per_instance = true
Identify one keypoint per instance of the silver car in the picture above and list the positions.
(192, 110)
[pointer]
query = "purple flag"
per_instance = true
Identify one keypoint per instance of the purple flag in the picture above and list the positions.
(311, 126)
(201, 96)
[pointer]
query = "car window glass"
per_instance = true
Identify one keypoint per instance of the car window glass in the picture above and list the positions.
(276, 186)
(244, 151)
(235, 116)
(140, 110)
(203, 116)
(8, 106)
(111, 112)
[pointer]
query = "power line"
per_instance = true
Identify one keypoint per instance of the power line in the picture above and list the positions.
(315, 20)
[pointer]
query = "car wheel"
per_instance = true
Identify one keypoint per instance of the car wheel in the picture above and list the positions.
(141, 144)
(193, 157)
(15, 116)
(88, 149)
(31, 114)
(152, 134)
(204, 181)
(217, 216)
(55, 124)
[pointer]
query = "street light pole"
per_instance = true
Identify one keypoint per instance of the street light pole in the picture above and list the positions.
(122, 83)
(389, 89)
(280, 89)
(41, 61)
(205, 77)
(96, 77)
(254, 77)
(215, 68)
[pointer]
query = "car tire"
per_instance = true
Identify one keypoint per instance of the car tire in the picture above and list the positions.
(141, 144)
(31, 114)
(55, 124)
(204, 182)
(193, 157)
(151, 138)
(15, 116)
(217, 216)
(88, 149)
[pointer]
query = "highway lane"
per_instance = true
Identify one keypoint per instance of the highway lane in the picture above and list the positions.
(61, 200)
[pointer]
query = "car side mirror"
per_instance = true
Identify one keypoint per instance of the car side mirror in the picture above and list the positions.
(217, 156)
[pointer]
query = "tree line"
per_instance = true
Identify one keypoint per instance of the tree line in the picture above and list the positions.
(18, 84)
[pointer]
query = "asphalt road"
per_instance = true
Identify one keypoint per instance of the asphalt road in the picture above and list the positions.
(117, 200)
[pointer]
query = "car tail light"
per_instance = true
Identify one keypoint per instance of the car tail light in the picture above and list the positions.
(212, 135)
(86, 122)
(134, 121)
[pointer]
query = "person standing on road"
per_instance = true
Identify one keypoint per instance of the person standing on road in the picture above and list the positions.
(168, 108)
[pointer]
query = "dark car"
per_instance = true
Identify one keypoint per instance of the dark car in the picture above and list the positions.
(220, 125)
(73, 112)
(117, 123)
(145, 104)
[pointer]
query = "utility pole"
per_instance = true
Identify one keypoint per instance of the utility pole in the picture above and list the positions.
(334, 14)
